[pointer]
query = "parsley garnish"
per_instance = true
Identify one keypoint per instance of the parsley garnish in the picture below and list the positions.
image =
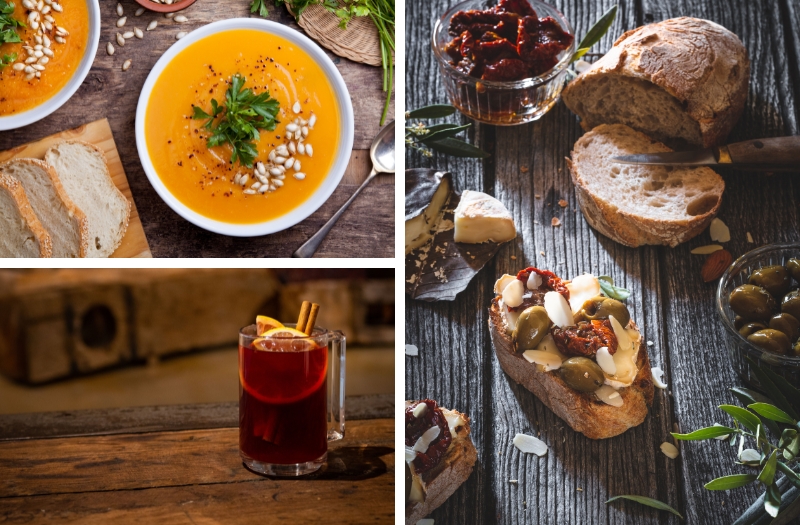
(260, 7)
(237, 121)
(7, 60)
(8, 25)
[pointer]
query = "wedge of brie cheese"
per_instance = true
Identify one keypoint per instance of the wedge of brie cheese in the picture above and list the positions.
(418, 228)
(480, 218)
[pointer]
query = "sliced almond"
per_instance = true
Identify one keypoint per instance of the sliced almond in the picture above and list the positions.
(530, 445)
(707, 249)
(719, 231)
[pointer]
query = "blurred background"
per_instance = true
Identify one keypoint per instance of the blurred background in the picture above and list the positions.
(75, 339)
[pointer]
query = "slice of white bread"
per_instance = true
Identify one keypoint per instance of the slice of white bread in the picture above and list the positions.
(638, 204)
(65, 222)
(453, 469)
(683, 79)
(83, 172)
(21, 233)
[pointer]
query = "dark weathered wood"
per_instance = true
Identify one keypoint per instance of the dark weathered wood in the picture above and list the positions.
(162, 418)
(669, 301)
(109, 92)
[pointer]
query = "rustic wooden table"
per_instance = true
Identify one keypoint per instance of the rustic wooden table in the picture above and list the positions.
(110, 92)
(456, 363)
(180, 464)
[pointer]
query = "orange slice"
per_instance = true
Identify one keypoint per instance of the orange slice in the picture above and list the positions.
(264, 323)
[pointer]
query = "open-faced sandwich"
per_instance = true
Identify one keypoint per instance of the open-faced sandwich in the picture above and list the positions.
(439, 456)
(578, 351)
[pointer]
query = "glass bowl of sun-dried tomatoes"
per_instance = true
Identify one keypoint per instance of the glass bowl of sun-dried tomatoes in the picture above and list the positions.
(503, 62)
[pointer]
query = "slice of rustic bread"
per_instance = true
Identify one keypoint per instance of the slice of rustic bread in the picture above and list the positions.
(452, 471)
(683, 80)
(83, 172)
(21, 233)
(638, 204)
(65, 222)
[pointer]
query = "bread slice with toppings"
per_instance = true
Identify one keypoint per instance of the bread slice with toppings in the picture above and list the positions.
(21, 233)
(585, 412)
(432, 487)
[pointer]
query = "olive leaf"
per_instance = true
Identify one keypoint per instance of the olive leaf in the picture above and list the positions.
(730, 482)
(596, 32)
(704, 433)
(771, 412)
(767, 474)
(444, 133)
(790, 474)
(772, 390)
(650, 502)
(772, 502)
(432, 111)
(608, 288)
(747, 397)
(457, 148)
(745, 417)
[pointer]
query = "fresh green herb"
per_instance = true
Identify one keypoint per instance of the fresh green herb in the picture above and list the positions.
(260, 7)
(608, 288)
(239, 119)
(650, 502)
(438, 137)
(763, 417)
(8, 24)
(596, 32)
(380, 11)
(7, 60)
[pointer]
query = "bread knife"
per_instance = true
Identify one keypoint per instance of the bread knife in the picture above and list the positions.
(773, 154)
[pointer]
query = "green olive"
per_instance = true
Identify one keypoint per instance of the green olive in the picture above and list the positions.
(791, 304)
(774, 279)
(771, 340)
(786, 323)
(532, 325)
(752, 302)
(601, 307)
(750, 328)
(793, 266)
(582, 374)
(409, 481)
(738, 322)
(796, 348)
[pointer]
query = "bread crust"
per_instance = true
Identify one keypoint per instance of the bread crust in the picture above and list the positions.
(74, 212)
(580, 410)
(700, 63)
(452, 471)
(15, 189)
(628, 228)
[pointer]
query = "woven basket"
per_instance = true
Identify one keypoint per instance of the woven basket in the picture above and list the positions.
(359, 43)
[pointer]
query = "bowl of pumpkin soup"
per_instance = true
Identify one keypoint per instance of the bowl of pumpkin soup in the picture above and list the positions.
(244, 127)
(46, 51)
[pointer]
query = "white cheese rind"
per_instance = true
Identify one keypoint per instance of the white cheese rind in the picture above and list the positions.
(418, 228)
(480, 218)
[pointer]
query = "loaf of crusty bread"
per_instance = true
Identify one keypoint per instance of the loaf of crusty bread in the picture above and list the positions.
(84, 174)
(637, 204)
(683, 80)
(21, 233)
(580, 410)
(452, 471)
(66, 224)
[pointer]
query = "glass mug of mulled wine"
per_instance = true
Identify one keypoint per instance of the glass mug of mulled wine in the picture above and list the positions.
(291, 398)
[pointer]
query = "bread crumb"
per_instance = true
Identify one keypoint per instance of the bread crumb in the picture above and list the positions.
(750, 238)
(513, 257)
(563, 203)
(579, 489)
(512, 481)
(523, 169)
(538, 196)
(555, 222)
(541, 253)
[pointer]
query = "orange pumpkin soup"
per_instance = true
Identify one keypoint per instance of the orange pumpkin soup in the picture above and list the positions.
(18, 91)
(204, 179)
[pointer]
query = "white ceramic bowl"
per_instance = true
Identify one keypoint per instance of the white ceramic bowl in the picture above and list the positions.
(36, 114)
(341, 159)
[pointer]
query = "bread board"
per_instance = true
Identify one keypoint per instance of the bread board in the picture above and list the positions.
(134, 244)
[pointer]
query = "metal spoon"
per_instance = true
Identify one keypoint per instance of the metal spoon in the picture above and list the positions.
(382, 155)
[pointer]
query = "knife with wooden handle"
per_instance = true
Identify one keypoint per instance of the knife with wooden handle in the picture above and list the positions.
(773, 154)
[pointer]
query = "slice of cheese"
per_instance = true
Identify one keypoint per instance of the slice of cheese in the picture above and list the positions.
(418, 229)
(481, 218)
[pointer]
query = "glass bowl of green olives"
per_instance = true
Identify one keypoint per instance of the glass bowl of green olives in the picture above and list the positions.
(758, 300)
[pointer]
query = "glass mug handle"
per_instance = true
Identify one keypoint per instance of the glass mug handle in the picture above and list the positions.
(336, 376)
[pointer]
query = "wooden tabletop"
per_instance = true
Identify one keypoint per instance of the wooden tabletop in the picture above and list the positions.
(110, 92)
(180, 464)
(527, 172)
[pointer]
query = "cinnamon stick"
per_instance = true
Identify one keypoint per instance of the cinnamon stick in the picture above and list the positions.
(302, 321)
(312, 319)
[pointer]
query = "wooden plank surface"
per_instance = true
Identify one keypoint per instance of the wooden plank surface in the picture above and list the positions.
(675, 309)
(194, 477)
(157, 418)
(109, 92)
(98, 133)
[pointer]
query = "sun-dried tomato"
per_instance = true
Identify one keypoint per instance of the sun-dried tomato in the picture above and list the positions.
(586, 338)
(549, 279)
(416, 426)
(521, 44)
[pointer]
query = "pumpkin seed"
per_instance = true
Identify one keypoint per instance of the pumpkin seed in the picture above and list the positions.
(61, 40)
(19, 66)
(120, 39)
(301, 148)
(46, 10)
(249, 192)
(38, 67)
(29, 70)
(138, 32)
(292, 148)
(299, 175)
(46, 41)
(279, 160)
(256, 185)
(152, 25)
(180, 35)
(44, 60)
(277, 183)
(126, 65)
(291, 128)
(127, 35)
(181, 19)
(120, 11)
(57, 8)
(140, 11)
(296, 108)
(30, 76)
(312, 121)
(309, 150)
(121, 21)
(274, 171)
(169, 15)
(289, 163)
(48, 52)
(263, 189)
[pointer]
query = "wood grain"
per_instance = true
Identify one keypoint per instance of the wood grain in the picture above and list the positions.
(109, 92)
(134, 243)
(668, 298)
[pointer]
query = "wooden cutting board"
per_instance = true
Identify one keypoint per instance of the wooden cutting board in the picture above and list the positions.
(134, 244)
